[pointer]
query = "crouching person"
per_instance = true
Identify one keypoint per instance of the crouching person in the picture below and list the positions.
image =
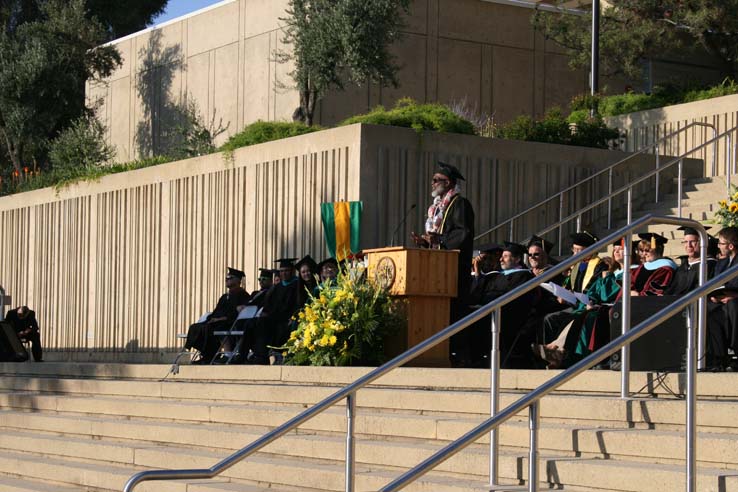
(23, 321)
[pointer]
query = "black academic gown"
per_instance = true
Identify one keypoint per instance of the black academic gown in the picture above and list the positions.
(200, 335)
(722, 320)
(687, 277)
(457, 232)
(20, 325)
(272, 327)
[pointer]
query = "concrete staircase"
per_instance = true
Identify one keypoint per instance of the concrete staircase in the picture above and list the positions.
(700, 202)
(88, 427)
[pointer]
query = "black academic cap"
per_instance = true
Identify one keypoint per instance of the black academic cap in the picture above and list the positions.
(286, 262)
(618, 242)
(584, 239)
(691, 231)
(449, 171)
(307, 260)
(656, 239)
(546, 245)
(232, 272)
(327, 261)
(490, 248)
(266, 272)
(514, 248)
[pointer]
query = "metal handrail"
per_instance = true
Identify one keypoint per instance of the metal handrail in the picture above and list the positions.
(349, 392)
(532, 399)
(676, 160)
(609, 170)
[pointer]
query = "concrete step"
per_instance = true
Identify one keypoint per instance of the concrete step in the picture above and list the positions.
(13, 484)
(698, 213)
(635, 444)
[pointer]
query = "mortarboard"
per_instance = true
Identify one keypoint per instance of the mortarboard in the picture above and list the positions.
(233, 273)
(514, 248)
(690, 231)
(619, 242)
(656, 239)
(307, 260)
(584, 239)
(546, 245)
(286, 262)
(266, 272)
(449, 171)
(328, 261)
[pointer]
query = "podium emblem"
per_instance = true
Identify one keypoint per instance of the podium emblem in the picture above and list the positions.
(385, 273)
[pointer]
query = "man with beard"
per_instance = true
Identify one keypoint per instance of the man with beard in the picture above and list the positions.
(450, 225)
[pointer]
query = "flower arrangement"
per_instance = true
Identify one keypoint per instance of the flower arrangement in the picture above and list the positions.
(345, 322)
(727, 213)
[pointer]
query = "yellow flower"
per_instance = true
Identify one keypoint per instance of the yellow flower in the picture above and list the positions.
(324, 341)
(332, 340)
(735, 196)
(734, 207)
(723, 203)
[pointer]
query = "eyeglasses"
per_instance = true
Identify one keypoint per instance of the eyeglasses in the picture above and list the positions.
(439, 180)
(690, 241)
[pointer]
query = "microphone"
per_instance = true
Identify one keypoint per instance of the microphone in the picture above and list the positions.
(402, 222)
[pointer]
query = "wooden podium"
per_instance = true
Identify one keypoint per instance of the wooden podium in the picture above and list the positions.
(426, 280)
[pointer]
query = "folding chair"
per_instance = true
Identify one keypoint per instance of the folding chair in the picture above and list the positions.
(224, 356)
(185, 351)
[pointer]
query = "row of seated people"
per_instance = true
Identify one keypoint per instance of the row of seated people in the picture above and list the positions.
(282, 293)
(550, 327)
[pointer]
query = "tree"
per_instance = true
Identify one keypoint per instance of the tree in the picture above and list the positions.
(634, 30)
(123, 18)
(338, 41)
(48, 49)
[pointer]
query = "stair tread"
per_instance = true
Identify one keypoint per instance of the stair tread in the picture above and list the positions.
(13, 484)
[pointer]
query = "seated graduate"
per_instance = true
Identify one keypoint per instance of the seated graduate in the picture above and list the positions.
(653, 277)
(328, 270)
(722, 307)
(539, 259)
(271, 328)
(23, 321)
(266, 276)
(484, 265)
(580, 279)
(687, 275)
(307, 269)
(200, 335)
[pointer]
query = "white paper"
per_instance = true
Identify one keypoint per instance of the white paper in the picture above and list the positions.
(568, 296)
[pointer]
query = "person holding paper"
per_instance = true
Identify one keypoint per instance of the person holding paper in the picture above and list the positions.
(722, 308)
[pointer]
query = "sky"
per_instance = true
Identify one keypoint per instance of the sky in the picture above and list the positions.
(177, 8)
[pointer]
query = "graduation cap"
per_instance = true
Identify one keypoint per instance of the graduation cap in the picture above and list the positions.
(514, 249)
(328, 261)
(286, 262)
(656, 239)
(490, 248)
(584, 239)
(449, 171)
(233, 273)
(307, 260)
(539, 241)
(266, 272)
(691, 231)
(620, 242)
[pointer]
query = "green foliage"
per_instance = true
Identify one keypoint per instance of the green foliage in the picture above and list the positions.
(579, 130)
(81, 145)
(61, 177)
(338, 41)
(192, 136)
(346, 322)
(662, 95)
(266, 131)
(634, 30)
(408, 113)
(46, 56)
(123, 18)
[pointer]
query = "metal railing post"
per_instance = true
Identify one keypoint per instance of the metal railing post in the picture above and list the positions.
(561, 226)
(658, 180)
(680, 187)
(625, 313)
(512, 231)
(691, 401)
(534, 421)
(494, 397)
(728, 169)
(579, 223)
(350, 442)
(714, 151)
(702, 305)
(609, 200)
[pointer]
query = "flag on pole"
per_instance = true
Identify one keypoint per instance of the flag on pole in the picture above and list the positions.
(341, 225)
